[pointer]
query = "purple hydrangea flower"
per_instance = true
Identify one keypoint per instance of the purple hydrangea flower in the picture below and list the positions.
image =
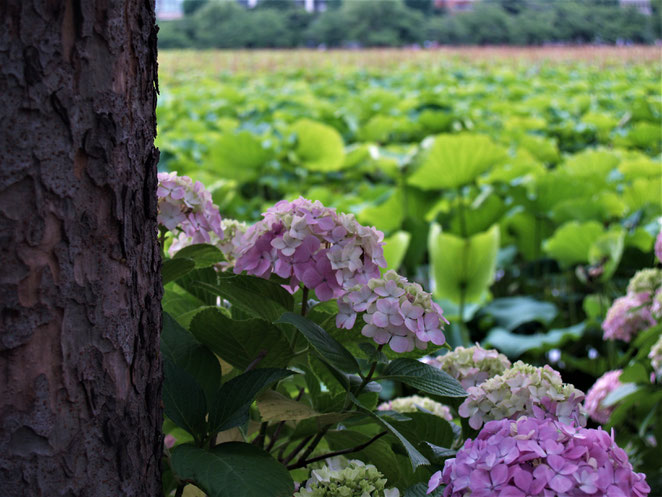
(186, 208)
(396, 312)
(507, 460)
(308, 243)
(628, 316)
(604, 385)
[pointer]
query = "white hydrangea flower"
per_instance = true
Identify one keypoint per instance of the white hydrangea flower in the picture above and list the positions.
(518, 392)
(355, 479)
(414, 403)
(470, 366)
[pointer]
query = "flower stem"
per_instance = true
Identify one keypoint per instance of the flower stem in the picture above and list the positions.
(304, 301)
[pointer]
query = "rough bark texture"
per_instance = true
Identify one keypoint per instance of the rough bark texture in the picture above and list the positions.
(80, 290)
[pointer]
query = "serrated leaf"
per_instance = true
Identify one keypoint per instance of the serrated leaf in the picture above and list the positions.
(424, 378)
(254, 296)
(172, 269)
(233, 400)
(239, 342)
(328, 348)
(180, 347)
(184, 400)
(231, 470)
(203, 254)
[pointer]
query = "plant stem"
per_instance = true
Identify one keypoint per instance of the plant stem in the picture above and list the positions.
(261, 355)
(180, 490)
(296, 450)
(280, 425)
(318, 438)
(304, 301)
(259, 440)
(351, 450)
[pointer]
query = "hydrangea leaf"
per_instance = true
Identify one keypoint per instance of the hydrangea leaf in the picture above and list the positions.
(423, 377)
(203, 254)
(180, 347)
(462, 265)
(234, 398)
(173, 269)
(328, 348)
(184, 400)
(232, 469)
(453, 161)
(239, 342)
(319, 147)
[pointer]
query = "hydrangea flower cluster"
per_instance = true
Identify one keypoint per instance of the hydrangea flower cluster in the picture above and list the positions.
(627, 316)
(471, 366)
(396, 312)
(603, 386)
(520, 390)
(655, 355)
(186, 207)
(645, 281)
(308, 243)
(539, 457)
(355, 480)
(415, 403)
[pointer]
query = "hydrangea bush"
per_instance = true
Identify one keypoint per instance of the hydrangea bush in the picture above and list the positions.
(308, 323)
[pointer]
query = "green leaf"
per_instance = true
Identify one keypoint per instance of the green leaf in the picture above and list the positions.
(232, 469)
(511, 312)
(607, 251)
(386, 216)
(238, 342)
(233, 400)
(254, 296)
(184, 400)
(620, 393)
(395, 249)
(572, 242)
(203, 254)
(328, 348)
(319, 147)
(239, 156)
(415, 457)
(635, 373)
(172, 269)
(423, 377)
(421, 490)
(462, 265)
(424, 429)
(514, 345)
(456, 160)
(274, 406)
(179, 346)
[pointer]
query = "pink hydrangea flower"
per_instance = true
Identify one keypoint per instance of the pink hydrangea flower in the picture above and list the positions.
(604, 385)
(539, 457)
(470, 366)
(628, 316)
(187, 208)
(308, 243)
(396, 312)
(520, 391)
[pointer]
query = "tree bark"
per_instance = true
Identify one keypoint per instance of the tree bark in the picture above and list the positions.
(80, 289)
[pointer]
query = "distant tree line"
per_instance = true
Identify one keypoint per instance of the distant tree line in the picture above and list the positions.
(391, 23)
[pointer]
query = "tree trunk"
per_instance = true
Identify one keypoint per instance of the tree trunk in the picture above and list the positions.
(80, 290)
